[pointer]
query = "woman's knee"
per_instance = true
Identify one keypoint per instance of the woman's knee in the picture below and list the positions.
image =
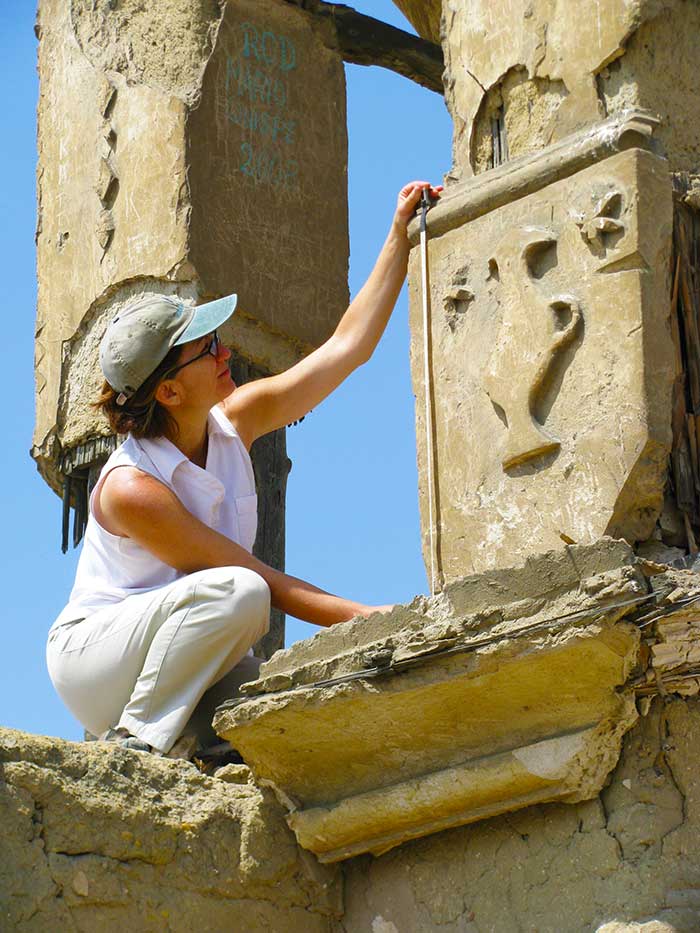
(252, 595)
(245, 597)
(230, 594)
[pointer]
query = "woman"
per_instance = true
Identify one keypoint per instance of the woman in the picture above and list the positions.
(168, 598)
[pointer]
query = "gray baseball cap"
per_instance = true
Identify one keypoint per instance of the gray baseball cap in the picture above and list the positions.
(139, 338)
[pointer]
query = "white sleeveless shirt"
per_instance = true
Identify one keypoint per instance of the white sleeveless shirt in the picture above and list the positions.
(222, 496)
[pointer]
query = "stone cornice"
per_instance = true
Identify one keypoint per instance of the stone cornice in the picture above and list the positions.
(469, 199)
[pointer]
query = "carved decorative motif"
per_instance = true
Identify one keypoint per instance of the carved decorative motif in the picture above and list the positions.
(107, 185)
(535, 330)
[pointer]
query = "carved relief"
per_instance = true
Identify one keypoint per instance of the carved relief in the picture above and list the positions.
(597, 226)
(539, 322)
(552, 361)
(458, 298)
(534, 331)
(107, 185)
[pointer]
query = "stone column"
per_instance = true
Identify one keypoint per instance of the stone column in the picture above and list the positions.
(556, 361)
(185, 147)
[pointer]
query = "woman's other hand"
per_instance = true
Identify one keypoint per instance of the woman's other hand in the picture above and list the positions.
(367, 611)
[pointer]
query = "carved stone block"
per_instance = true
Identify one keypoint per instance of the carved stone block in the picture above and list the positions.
(552, 359)
(505, 690)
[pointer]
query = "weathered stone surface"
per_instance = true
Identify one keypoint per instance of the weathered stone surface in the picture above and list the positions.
(424, 15)
(178, 143)
(652, 926)
(544, 70)
(675, 629)
(503, 691)
(99, 838)
(628, 861)
(552, 357)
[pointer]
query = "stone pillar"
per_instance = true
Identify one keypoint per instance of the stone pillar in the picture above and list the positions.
(185, 147)
(556, 361)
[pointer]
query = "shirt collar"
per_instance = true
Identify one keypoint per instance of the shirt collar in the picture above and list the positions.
(166, 457)
(219, 424)
(163, 454)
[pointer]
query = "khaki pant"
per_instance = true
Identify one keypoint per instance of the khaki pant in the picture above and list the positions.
(145, 663)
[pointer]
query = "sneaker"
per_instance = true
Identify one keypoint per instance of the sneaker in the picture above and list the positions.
(124, 738)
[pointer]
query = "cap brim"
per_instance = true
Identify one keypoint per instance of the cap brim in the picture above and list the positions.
(208, 317)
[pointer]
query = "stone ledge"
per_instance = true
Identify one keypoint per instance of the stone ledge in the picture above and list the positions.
(478, 605)
(363, 732)
(467, 200)
(544, 771)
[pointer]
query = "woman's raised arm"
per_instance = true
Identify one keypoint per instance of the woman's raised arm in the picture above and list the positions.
(267, 404)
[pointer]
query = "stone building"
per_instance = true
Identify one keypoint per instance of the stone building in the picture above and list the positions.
(515, 751)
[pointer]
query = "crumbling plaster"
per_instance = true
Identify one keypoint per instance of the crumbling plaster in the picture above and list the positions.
(556, 67)
(509, 688)
(97, 838)
(80, 254)
(121, 37)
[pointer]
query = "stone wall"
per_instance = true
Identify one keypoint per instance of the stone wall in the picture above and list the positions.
(631, 855)
(179, 144)
(97, 838)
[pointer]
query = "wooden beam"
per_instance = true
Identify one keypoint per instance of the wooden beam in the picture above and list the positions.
(363, 40)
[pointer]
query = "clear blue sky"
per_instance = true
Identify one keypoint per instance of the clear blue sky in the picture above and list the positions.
(352, 509)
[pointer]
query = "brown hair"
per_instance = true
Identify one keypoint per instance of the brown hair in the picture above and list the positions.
(141, 415)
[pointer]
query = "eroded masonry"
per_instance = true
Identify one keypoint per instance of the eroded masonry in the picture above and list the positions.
(518, 750)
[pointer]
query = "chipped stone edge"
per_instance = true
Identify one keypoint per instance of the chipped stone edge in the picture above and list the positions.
(522, 176)
(567, 777)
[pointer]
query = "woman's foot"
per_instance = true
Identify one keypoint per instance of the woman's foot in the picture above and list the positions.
(123, 737)
(185, 747)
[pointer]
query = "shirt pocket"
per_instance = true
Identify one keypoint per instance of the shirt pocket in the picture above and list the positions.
(247, 510)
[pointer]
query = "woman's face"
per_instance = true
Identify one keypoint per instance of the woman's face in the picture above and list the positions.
(203, 373)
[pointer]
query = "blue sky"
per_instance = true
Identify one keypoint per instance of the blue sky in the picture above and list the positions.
(352, 508)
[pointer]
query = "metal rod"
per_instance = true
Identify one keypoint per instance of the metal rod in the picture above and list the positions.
(427, 379)
(393, 667)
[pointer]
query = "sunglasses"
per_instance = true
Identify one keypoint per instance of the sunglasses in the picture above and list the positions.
(212, 349)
